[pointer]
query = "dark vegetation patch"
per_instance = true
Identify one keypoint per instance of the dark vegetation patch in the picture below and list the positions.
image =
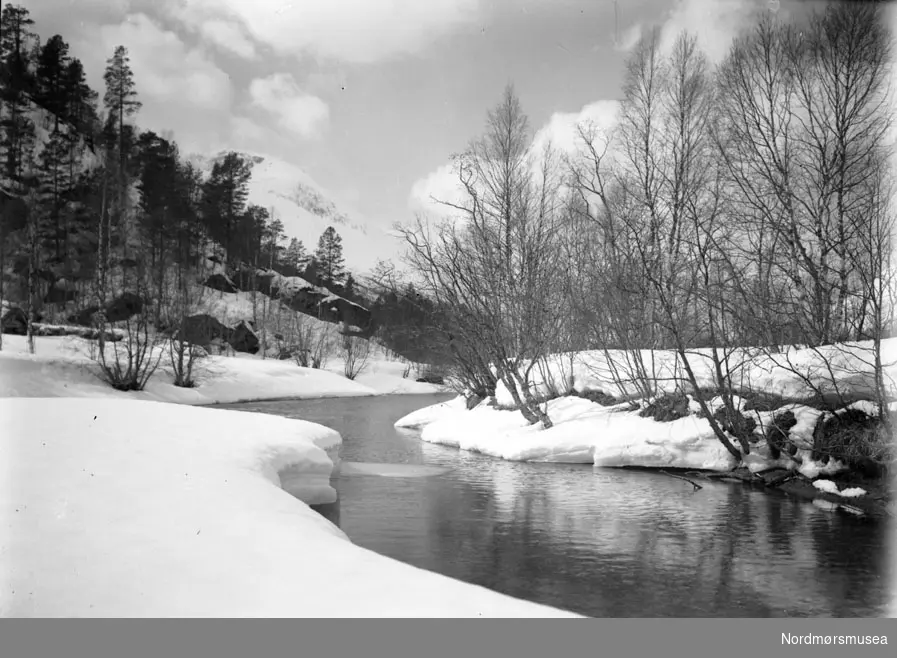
(859, 440)
(778, 435)
(598, 397)
(734, 422)
(759, 401)
(667, 408)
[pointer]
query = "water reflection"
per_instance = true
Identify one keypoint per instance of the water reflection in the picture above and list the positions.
(607, 543)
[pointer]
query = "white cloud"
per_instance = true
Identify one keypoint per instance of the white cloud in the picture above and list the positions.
(245, 131)
(562, 128)
(441, 185)
(229, 37)
(358, 31)
(214, 24)
(715, 23)
(165, 69)
(560, 131)
(629, 38)
(297, 111)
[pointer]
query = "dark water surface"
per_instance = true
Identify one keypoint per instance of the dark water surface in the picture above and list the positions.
(605, 543)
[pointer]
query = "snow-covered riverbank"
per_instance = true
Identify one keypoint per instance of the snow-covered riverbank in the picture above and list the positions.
(61, 367)
(124, 508)
(587, 432)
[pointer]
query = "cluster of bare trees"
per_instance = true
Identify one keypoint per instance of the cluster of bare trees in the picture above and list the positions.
(499, 267)
(748, 204)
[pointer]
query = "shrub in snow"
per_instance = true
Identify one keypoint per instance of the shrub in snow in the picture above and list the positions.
(310, 344)
(355, 352)
(430, 374)
(778, 434)
(855, 438)
(128, 364)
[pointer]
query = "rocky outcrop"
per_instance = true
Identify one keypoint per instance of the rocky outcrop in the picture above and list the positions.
(220, 282)
(205, 330)
(304, 297)
(119, 309)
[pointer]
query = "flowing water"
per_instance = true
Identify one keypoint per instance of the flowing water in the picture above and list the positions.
(604, 543)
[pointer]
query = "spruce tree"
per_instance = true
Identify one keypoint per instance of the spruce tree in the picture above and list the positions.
(329, 258)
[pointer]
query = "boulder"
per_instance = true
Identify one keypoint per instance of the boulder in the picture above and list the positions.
(203, 329)
(13, 320)
(243, 338)
(220, 282)
(123, 307)
(84, 317)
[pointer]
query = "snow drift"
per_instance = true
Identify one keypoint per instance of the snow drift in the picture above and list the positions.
(115, 508)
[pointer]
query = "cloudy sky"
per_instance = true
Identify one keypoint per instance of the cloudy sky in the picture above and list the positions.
(371, 97)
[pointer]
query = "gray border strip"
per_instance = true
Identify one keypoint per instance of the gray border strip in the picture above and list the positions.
(218, 638)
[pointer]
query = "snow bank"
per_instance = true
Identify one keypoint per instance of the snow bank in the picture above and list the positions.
(586, 432)
(583, 432)
(612, 436)
(432, 413)
(136, 509)
(61, 367)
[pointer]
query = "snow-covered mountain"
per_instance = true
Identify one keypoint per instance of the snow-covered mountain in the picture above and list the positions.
(306, 209)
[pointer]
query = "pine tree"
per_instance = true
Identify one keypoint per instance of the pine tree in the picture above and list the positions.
(55, 183)
(17, 136)
(224, 202)
(80, 99)
(295, 256)
(329, 257)
(252, 230)
(273, 236)
(50, 83)
(120, 101)
(349, 288)
(159, 203)
(312, 271)
(189, 231)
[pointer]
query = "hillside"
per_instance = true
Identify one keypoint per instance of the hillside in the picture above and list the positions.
(306, 209)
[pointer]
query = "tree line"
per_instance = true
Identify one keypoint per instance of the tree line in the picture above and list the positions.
(733, 211)
(92, 206)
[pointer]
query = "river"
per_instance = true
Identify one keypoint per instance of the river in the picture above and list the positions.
(600, 542)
